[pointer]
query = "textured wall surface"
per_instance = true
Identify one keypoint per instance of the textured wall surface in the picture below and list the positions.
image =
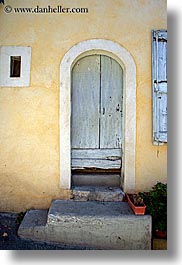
(29, 127)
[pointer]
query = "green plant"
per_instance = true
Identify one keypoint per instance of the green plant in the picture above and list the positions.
(156, 205)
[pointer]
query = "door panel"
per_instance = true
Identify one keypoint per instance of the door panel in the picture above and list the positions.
(96, 119)
(95, 163)
(96, 158)
(111, 154)
(111, 103)
(85, 103)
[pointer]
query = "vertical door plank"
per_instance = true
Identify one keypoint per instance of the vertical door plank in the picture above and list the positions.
(85, 102)
(111, 103)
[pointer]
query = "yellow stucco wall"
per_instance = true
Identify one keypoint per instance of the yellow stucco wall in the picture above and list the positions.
(29, 116)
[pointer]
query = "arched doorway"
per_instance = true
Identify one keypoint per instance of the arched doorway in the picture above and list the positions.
(125, 60)
(96, 121)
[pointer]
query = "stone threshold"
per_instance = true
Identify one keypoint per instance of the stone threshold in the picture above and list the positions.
(97, 193)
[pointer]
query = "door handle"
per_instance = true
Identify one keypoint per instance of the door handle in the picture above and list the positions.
(103, 111)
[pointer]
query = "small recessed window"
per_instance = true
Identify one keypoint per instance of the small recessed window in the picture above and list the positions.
(15, 66)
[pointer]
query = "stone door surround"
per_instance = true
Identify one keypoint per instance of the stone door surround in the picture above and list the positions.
(124, 58)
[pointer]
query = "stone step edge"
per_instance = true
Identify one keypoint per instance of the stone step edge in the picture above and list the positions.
(97, 193)
(77, 210)
(39, 233)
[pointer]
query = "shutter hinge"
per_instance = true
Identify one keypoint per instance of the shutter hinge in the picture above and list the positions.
(156, 89)
(156, 137)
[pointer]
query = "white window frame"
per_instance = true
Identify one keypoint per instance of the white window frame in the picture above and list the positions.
(5, 60)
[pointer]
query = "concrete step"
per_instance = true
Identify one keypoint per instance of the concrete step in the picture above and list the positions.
(33, 227)
(97, 193)
(95, 225)
(96, 179)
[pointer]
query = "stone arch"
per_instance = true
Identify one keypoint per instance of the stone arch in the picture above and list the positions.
(123, 57)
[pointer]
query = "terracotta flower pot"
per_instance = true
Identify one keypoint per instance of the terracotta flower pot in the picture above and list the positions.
(138, 210)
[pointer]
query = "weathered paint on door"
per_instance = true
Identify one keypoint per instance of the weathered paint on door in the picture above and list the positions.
(111, 104)
(96, 119)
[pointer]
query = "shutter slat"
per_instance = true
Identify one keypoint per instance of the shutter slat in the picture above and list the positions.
(162, 73)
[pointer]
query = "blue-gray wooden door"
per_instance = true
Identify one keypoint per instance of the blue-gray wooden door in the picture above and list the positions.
(96, 117)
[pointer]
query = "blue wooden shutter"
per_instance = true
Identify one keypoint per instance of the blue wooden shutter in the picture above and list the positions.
(159, 86)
